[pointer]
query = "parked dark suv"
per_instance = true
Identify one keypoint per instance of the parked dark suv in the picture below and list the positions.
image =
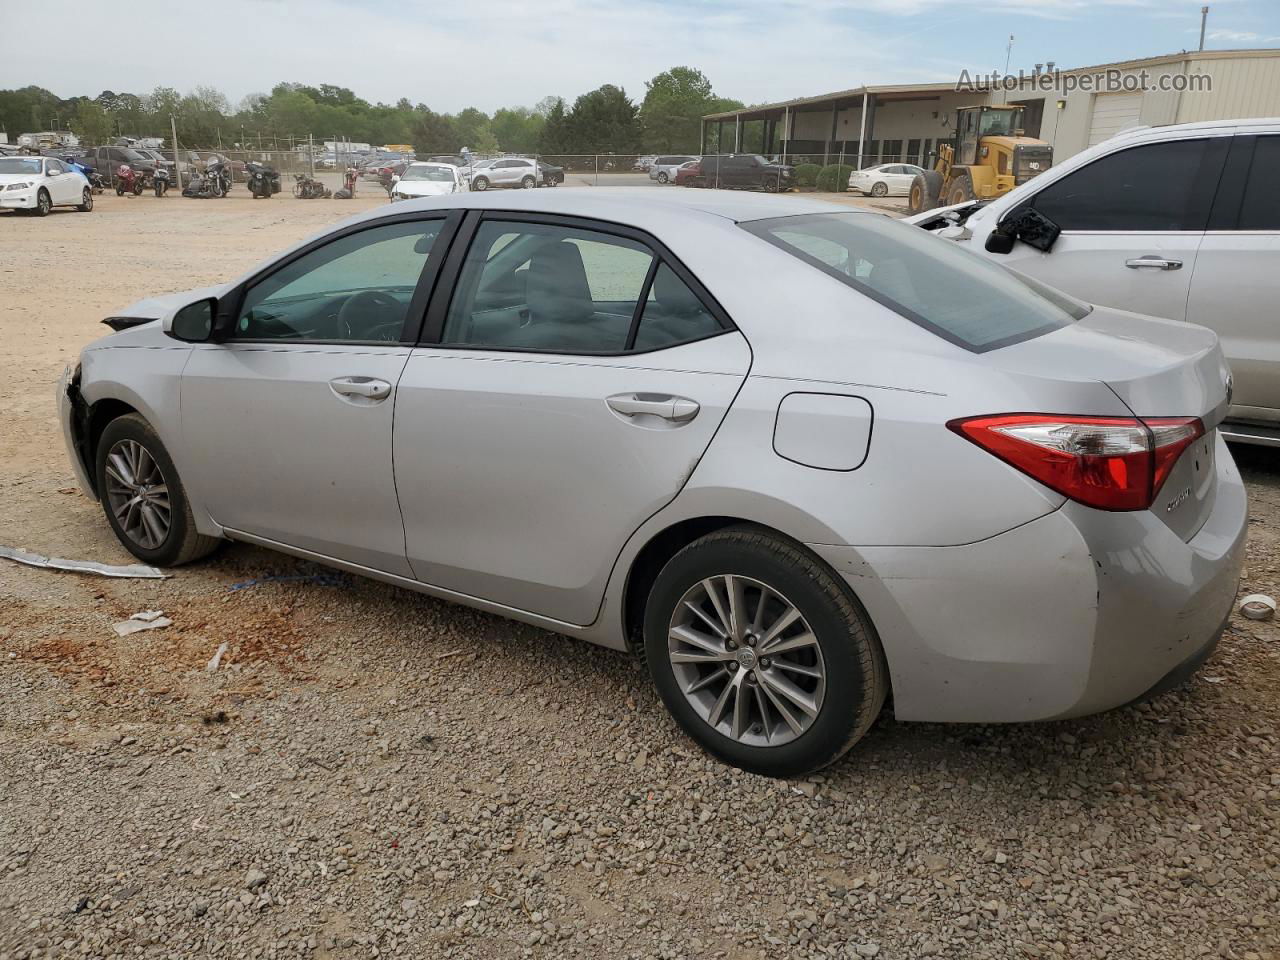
(747, 171)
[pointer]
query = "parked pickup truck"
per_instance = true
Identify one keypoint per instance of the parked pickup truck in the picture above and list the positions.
(747, 172)
(106, 160)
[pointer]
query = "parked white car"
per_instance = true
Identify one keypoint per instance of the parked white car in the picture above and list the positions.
(38, 184)
(1181, 222)
(663, 169)
(507, 172)
(427, 180)
(885, 179)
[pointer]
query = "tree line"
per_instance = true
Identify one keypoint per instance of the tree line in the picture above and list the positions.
(605, 120)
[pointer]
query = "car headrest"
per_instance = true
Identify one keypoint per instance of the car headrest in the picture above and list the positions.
(557, 287)
(673, 296)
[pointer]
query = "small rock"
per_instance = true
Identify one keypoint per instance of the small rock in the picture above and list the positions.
(254, 879)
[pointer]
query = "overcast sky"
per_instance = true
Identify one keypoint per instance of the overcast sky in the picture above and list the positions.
(452, 54)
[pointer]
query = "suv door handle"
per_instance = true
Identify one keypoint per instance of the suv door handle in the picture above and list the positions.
(676, 409)
(1152, 262)
(365, 388)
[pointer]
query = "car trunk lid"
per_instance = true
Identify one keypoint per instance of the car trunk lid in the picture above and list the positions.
(1158, 369)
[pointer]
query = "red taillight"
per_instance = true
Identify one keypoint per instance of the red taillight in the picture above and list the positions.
(1112, 463)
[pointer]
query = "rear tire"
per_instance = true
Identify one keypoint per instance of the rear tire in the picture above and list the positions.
(528, 183)
(86, 201)
(880, 189)
(662, 176)
(181, 542)
(831, 638)
(481, 184)
(961, 190)
(925, 190)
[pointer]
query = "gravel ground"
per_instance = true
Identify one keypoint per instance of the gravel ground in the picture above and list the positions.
(373, 773)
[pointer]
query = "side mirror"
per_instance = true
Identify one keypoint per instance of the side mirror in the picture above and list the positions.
(192, 323)
(999, 242)
(1028, 225)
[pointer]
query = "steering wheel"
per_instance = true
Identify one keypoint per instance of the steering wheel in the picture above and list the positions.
(359, 306)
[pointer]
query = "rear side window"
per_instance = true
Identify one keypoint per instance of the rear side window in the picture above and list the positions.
(1261, 207)
(1154, 187)
(958, 295)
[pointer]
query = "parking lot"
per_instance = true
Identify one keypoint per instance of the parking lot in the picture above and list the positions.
(370, 772)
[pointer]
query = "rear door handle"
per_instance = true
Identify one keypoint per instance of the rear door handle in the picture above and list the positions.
(362, 388)
(676, 409)
(1153, 263)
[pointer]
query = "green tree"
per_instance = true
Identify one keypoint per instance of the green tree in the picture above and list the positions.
(92, 124)
(434, 133)
(604, 121)
(672, 109)
(517, 129)
(555, 137)
(471, 127)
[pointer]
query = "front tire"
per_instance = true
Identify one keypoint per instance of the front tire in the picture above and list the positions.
(961, 190)
(144, 501)
(762, 654)
(662, 177)
(43, 203)
(86, 201)
(926, 189)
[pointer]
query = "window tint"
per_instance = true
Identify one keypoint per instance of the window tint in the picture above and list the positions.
(55, 166)
(1158, 186)
(1261, 207)
(960, 296)
(672, 313)
(356, 288)
(530, 286)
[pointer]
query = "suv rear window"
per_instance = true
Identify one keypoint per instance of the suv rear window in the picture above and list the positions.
(958, 295)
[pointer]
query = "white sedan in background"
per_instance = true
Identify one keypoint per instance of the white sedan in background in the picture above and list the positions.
(38, 184)
(884, 180)
(427, 180)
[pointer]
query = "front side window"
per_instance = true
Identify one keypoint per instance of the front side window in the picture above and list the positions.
(55, 167)
(355, 289)
(1154, 187)
(956, 294)
(531, 286)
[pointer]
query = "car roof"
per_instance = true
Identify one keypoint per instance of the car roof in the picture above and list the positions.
(1174, 130)
(433, 163)
(644, 207)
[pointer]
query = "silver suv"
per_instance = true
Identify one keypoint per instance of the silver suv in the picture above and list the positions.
(507, 172)
(663, 169)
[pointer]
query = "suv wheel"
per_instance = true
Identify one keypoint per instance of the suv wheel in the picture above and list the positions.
(762, 654)
(662, 176)
(528, 183)
(480, 183)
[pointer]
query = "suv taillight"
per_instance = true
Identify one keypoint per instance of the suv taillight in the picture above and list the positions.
(1112, 463)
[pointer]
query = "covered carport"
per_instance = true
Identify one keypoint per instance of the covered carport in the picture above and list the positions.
(863, 126)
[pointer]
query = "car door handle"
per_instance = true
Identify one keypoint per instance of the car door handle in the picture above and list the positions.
(364, 388)
(675, 409)
(1153, 263)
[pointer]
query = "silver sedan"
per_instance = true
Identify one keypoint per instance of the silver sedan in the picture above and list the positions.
(800, 456)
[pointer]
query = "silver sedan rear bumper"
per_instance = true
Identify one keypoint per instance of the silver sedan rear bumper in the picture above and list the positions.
(1074, 613)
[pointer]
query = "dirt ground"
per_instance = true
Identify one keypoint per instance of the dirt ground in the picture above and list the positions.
(374, 773)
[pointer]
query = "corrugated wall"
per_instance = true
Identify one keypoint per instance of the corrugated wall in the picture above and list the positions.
(1242, 87)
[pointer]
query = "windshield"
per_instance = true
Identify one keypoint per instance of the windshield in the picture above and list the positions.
(19, 164)
(958, 295)
(1000, 123)
(437, 174)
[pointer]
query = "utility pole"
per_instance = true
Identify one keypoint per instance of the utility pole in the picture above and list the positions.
(1204, 17)
(177, 168)
(1008, 54)
(311, 155)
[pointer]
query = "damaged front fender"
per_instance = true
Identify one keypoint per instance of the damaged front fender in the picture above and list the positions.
(73, 414)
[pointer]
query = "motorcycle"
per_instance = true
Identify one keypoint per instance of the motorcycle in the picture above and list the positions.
(160, 181)
(128, 180)
(308, 188)
(214, 182)
(263, 180)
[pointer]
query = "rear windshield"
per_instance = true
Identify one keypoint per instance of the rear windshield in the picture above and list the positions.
(960, 296)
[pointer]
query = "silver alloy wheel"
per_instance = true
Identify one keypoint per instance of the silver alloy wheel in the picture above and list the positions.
(138, 494)
(746, 660)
